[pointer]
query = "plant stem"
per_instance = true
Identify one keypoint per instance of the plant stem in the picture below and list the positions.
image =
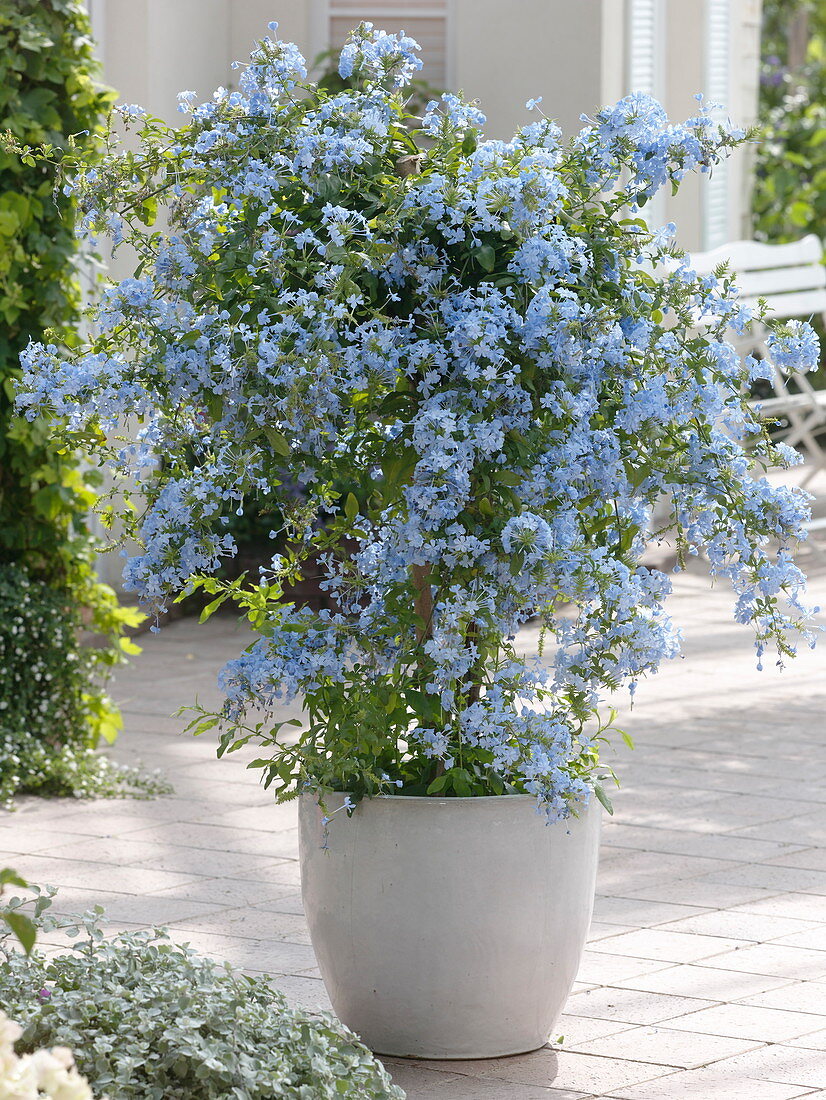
(423, 602)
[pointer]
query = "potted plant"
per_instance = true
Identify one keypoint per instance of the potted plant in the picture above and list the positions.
(487, 339)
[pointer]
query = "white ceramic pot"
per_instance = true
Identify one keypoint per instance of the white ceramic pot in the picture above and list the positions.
(448, 928)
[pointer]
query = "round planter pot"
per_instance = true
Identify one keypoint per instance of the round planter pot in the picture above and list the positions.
(448, 928)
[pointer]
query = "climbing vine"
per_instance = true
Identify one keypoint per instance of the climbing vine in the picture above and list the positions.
(48, 95)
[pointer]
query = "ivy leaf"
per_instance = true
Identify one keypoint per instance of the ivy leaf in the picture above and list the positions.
(33, 39)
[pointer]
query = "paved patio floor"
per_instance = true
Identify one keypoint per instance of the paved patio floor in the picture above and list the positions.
(705, 975)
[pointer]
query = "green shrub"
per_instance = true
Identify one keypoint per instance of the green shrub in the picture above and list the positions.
(148, 1019)
(789, 194)
(51, 712)
(790, 169)
(47, 94)
(47, 725)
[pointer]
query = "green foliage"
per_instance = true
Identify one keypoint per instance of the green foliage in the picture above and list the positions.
(52, 714)
(19, 924)
(790, 171)
(47, 95)
(790, 187)
(150, 1020)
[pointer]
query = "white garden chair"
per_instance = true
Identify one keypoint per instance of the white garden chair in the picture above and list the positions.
(792, 280)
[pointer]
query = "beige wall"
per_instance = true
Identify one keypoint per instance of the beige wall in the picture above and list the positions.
(506, 53)
(152, 49)
(570, 53)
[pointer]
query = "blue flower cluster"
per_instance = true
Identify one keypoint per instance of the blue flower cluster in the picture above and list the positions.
(374, 57)
(637, 135)
(794, 347)
(468, 331)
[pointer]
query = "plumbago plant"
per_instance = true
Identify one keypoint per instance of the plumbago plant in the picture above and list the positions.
(511, 366)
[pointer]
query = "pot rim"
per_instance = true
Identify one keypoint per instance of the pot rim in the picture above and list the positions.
(422, 797)
(435, 800)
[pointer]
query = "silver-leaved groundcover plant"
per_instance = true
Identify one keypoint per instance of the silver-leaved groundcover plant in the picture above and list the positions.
(148, 1019)
(484, 340)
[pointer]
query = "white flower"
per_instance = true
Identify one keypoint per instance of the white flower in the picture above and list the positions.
(44, 1075)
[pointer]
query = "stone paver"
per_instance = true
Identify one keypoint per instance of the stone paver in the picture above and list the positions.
(706, 971)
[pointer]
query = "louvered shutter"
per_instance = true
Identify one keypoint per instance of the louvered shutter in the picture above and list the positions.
(425, 21)
(717, 89)
(646, 45)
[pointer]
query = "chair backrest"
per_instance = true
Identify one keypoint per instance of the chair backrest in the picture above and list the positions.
(791, 277)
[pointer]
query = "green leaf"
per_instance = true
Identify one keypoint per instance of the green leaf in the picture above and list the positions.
(351, 507)
(202, 725)
(497, 783)
(22, 928)
(469, 143)
(599, 791)
(212, 606)
(109, 727)
(148, 211)
(461, 782)
(509, 477)
(277, 441)
(485, 256)
(800, 213)
(11, 878)
(9, 223)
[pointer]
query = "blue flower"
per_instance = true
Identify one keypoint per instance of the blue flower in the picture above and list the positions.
(794, 347)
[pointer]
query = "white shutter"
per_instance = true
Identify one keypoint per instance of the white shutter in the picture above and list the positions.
(717, 90)
(645, 72)
(424, 20)
(644, 46)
